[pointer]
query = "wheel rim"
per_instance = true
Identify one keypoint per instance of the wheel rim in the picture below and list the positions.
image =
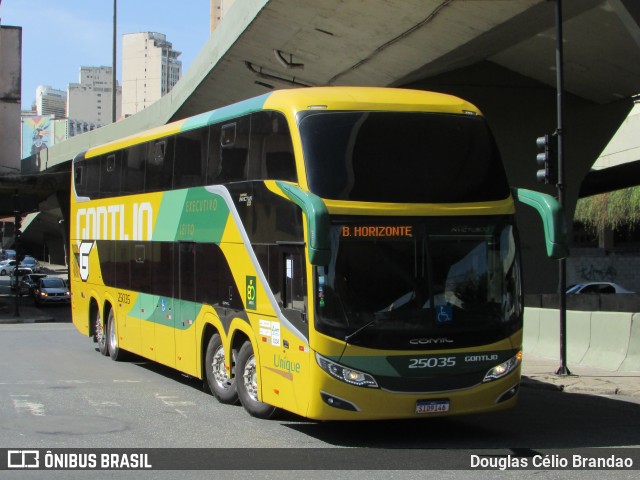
(250, 379)
(113, 338)
(99, 330)
(218, 369)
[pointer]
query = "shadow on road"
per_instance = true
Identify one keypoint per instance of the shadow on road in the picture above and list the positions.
(544, 418)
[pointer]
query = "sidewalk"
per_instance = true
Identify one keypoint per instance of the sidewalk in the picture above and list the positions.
(538, 372)
(28, 314)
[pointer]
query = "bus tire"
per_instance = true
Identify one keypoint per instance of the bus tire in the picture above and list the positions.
(115, 352)
(100, 334)
(222, 387)
(247, 384)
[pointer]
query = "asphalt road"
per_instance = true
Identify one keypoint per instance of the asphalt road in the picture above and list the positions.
(57, 391)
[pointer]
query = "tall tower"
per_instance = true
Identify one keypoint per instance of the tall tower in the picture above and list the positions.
(150, 69)
(50, 101)
(90, 99)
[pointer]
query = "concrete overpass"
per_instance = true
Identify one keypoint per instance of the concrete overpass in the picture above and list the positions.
(499, 54)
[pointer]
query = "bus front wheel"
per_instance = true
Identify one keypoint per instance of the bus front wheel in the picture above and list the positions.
(247, 384)
(221, 385)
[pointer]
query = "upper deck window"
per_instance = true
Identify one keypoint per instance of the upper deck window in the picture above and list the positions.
(401, 157)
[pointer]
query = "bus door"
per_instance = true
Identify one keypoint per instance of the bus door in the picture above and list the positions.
(185, 307)
(286, 356)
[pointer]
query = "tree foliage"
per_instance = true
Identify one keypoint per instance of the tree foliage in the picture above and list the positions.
(612, 209)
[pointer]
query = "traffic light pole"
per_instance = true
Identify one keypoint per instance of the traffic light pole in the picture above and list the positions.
(562, 284)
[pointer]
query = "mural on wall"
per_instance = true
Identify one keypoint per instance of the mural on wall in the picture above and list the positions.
(36, 137)
(59, 131)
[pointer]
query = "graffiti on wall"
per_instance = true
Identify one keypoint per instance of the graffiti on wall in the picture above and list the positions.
(592, 273)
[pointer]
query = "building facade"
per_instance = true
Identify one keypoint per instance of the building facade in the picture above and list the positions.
(10, 98)
(91, 99)
(50, 101)
(150, 69)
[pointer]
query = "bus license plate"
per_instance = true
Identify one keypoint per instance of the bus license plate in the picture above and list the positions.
(432, 406)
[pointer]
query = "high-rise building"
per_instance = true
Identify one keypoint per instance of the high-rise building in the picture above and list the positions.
(50, 101)
(91, 99)
(150, 69)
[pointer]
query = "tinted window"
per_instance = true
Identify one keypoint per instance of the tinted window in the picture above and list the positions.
(401, 157)
(190, 158)
(159, 165)
(234, 151)
(271, 151)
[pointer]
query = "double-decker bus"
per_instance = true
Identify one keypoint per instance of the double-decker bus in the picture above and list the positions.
(339, 253)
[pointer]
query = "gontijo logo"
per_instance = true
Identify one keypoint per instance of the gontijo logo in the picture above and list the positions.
(113, 222)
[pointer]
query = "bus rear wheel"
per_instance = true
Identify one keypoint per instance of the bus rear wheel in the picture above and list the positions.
(115, 352)
(100, 336)
(221, 385)
(247, 384)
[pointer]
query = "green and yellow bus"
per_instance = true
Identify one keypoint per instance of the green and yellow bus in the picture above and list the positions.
(339, 253)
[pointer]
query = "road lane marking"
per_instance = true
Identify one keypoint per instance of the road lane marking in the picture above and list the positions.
(22, 403)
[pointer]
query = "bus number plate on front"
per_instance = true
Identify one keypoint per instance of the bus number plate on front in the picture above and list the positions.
(432, 406)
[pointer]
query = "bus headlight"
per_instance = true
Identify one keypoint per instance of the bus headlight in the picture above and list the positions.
(346, 374)
(504, 368)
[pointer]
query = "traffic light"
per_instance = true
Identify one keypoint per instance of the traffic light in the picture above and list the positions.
(17, 227)
(546, 159)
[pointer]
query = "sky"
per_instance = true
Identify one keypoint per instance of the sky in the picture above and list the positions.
(60, 36)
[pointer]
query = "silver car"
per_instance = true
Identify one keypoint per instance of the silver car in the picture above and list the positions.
(597, 287)
(51, 290)
(31, 263)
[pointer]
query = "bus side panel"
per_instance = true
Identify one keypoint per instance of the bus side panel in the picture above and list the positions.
(282, 355)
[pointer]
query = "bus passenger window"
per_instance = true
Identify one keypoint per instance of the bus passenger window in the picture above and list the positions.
(134, 169)
(191, 151)
(213, 155)
(110, 173)
(271, 151)
(159, 168)
(295, 292)
(88, 177)
(234, 150)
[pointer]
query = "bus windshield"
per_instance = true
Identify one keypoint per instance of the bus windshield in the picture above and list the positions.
(425, 284)
(401, 157)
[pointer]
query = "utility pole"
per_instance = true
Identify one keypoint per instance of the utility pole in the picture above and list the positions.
(561, 185)
(114, 85)
(17, 233)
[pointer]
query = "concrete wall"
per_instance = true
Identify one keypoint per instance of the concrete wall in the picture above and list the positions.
(518, 115)
(606, 340)
(586, 265)
(10, 97)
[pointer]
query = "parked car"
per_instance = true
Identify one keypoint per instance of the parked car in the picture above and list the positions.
(16, 277)
(8, 254)
(32, 263)
(7, 267)
(51, 290)
(597, 287)
(29, 282)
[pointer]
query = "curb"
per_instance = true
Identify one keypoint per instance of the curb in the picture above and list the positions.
(573, 384)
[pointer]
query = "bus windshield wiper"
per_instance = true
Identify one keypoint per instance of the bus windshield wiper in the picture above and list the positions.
(365, 326)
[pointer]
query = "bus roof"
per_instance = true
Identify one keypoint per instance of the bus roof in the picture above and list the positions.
(292, 101)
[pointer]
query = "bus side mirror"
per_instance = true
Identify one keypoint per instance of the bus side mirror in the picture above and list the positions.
(318, 224)
(555, 229)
